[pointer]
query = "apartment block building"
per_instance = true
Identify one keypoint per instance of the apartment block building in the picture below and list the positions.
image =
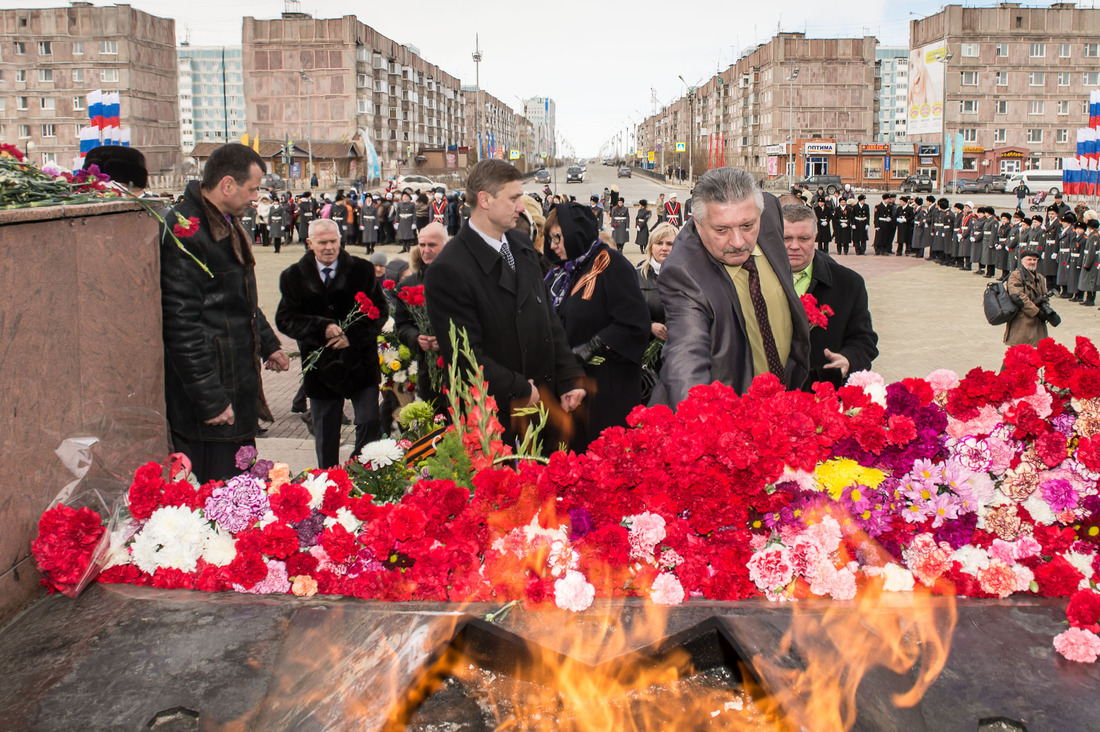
(211, 94)
(1016, 81)
(339, 79)
(495, 123)
(542, 113)
(51, 58)
(891, 93)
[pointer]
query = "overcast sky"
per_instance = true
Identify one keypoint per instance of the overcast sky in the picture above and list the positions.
(599, 66)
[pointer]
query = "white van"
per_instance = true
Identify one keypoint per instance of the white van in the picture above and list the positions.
(1037, 180)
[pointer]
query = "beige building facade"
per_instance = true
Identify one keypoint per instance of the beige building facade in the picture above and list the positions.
(51, 58)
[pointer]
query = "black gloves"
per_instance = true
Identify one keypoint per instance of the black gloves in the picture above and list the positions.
(585, 352)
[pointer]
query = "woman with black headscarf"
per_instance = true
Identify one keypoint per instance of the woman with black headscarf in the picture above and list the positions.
(596, 294)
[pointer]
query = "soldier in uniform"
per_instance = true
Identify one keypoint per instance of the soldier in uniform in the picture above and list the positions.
(406, 221)
(672, 212)
(248, 221)
(884, 225)
(842, 225)
(307, 209)
(339, 213)
(903, 225)
(823, 213)
(991, 230)
(438, 210)
(387, 214)
(1048, 259)
(1000, 254)
(597, 211)
(922, 236)
(1016, 233)
(620, 224)
(641, 224)
(276, 221)
(368, 223)
(861, 219)
(1077, 250)
(975, 232)
(1066, 236)
(1090, 263)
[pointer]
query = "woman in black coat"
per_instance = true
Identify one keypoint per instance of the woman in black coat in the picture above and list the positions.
(641, 223)
(595, 291)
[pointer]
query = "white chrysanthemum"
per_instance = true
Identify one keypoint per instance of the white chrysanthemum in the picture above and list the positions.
(316, 485)
(381, 453)
(896, 578)
(220, 549)
(174, 537)
(1083, 564)
(413, 368)
(1039, 509)
(971, 559)
(390, 355)
(400, 377)
(120, 553)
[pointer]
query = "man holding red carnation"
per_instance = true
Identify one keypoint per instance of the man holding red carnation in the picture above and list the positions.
(318, 292)
(215, 336)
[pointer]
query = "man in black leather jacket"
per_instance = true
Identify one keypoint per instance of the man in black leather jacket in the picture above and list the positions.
(215, 335)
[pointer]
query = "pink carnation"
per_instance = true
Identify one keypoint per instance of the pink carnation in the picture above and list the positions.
(646, 531)
(843, 585)
(1078, 645)
(807, 557)
(771, 569)
(997, 579)
(926, 559)
(942, 380)
(826, 533)
(276, 581)
(573, 592)
(667, 590)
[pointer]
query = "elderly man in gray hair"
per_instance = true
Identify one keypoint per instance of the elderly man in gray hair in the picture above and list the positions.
(730, 305)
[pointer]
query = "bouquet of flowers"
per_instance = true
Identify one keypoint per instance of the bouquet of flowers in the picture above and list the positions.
(413, 297)
(399, 368)
(818, 317)
(364, 309)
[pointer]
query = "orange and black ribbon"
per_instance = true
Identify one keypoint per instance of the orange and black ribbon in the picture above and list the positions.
(588, 282)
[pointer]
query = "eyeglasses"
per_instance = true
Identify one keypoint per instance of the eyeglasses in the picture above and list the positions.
(555, 238)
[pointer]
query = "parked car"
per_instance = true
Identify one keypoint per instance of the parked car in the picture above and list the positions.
(1037, 180)
(624, 172)
(992, 183)
(831, 183)
(274, 182)
(574, 174)
(542, 176)
(963, 185)
(419, 182)
(916, 183)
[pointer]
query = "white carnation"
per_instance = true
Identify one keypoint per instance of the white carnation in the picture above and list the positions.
(896, 578)
(376, 455)
(1083, 564)
(174, 537)
(1039, 509)
(219, 549)
(971, 558)
(316, 485)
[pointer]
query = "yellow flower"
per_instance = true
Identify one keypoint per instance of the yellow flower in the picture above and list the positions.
(395, 365)
(834, 476)
(381, 361)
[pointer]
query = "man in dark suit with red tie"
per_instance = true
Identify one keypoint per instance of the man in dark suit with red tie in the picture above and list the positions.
(487, 280)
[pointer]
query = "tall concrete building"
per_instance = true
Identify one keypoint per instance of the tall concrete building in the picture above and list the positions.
(495, 122)
(51, 58)
(1015, 83)
(542, 113)
(338, 79)
(211, 94)
(891, 93)
(789, 89)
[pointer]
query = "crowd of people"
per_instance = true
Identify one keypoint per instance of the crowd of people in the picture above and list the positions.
(554, 312)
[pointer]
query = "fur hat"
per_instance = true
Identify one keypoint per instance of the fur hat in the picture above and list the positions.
(1029, 252)
(125, 165)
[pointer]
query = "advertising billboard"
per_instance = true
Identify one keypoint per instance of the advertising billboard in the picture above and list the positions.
(926, 72)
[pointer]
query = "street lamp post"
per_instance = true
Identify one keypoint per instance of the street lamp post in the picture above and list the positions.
(691, 129)
(947, 56)
(477, 88)
(309, 117)
(790, 121)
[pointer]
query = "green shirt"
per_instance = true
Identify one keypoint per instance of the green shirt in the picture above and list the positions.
(779, 311)
(802, 279)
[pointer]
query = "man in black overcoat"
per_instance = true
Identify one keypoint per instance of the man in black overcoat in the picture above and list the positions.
(487, 281)
(848, 343)
(884, 225)
(318, 293)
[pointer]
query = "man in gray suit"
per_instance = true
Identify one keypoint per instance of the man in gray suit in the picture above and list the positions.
(731, 308)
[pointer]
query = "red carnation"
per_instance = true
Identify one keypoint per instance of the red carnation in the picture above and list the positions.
(412, 295)
(67, 538)
(335, 498)
(339, 543)
(902, 429)
(1051, 447)
(1088, 452)
(278, 540)
(300, 563)
(11, 150)
(1086, 352)
(185, 227)
(407, 522)
(388, 284)
(1054, 539)
(290, 503)
(1057, 578)
(173, 579)
(247, 568)
(1083, 610)
(182, 493)
(818, 317)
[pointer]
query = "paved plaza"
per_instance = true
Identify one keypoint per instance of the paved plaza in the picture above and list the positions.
(927, 317)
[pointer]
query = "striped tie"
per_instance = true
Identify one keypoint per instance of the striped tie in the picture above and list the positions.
(761, 309)
(506, 252)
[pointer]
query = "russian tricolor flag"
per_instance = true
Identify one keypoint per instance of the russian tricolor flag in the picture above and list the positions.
(1071, 170)
(1094, 109)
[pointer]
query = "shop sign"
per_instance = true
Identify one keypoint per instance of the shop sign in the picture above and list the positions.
(819, 148)
(875, 149)
(927, 161)
(776, 149)
(928, 150)
(847, 148)
(973, 149)
(1012, 154)
(902, 148)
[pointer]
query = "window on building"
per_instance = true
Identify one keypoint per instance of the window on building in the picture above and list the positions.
(1000, 135)
(78, 104)
(1036, 106)
(968, 106)
(76, 131)
(1063, 107)
(970, 134)
(1038, 50)
(970, 163)
(1036, 78)
(970, 50)
(1063, 50)
(49, 104)
(78, 76)
(1034, 135)
(900, 167)
(21, 75)
(108, 48)
(872, 168)
(1092, 50)
(1061, 135)
(45, 76)
(78, 48)
(49, 130)
(20, 48)
(1002, 50)
(24, 132)
(108, 75)
(1002, 106)
(1091, 78)
(1002, 78)
(1063, 78)
(49, 158)
(22, 104)
(363, 80)
(364, 106)
(45, 48)
(970, 78)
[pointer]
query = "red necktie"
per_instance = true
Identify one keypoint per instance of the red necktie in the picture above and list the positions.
(775, 365)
